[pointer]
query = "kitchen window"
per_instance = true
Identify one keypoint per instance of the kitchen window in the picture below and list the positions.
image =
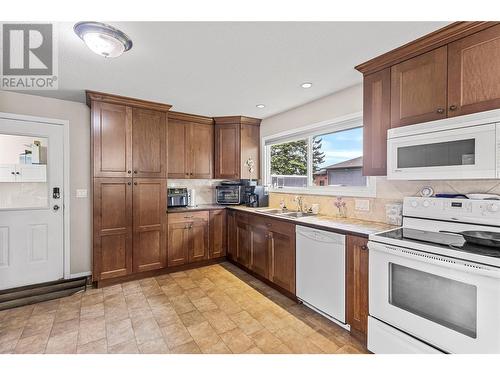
(325, 159)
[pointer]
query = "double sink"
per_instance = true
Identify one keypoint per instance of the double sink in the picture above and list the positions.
(281, 213)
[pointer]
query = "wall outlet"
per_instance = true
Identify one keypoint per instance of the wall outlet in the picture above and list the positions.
(82, 193)
(362, 204)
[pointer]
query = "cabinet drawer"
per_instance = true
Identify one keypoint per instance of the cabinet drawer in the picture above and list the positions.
(180, 217)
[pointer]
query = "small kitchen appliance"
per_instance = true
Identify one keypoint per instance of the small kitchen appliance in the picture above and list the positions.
(177, 197)
(431, 291)
(229, 192)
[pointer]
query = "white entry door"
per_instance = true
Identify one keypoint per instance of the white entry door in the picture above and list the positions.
(31, 202)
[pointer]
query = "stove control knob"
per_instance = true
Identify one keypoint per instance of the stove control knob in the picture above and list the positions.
(414, 204)
(426, 204)
(492, 207)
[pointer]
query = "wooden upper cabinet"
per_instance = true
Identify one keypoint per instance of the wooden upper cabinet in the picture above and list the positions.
(474, 73)
(149, 143)
(190, 146)
(357, 284)
(201, 151)
(150, 223)
(376, 121)
(112, 228)
(418, 89)
(111, 140)
(217, 227)
(237, 138)
(177, 152)
(227, 151)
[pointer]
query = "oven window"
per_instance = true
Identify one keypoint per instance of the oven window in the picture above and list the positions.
(448, 302)
(460, 152)
(228, 195)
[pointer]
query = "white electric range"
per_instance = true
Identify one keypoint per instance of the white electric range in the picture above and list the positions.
(432, 292)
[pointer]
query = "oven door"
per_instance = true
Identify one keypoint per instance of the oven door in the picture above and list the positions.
(463, 153)
(450, 304)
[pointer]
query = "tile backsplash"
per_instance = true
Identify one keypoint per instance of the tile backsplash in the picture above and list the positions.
(204, 189)
(387, 192)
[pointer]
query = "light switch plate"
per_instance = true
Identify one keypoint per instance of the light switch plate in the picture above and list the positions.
(362, 204)
(82, 193)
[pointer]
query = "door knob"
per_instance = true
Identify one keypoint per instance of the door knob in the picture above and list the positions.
(56, 207)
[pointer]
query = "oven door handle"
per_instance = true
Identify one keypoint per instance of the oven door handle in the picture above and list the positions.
(439, 260)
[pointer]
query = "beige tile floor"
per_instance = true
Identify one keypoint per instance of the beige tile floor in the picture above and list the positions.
(214, 309)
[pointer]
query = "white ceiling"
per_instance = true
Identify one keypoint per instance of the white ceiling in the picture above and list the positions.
(226, 68)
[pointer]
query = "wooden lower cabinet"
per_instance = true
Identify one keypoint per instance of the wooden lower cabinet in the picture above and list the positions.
(112, 228)
(357, 285)
(265, 246)
(187, 237)
(150, 224)
(218, 241)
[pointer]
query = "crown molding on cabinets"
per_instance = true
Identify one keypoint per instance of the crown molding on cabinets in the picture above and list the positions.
(124, 100)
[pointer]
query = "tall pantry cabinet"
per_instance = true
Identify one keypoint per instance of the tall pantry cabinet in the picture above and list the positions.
(129, 169)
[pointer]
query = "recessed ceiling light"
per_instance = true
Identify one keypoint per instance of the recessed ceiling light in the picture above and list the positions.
(306, 85)
(260, 106)
(103, 39)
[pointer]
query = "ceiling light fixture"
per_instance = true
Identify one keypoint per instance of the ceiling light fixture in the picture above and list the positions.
(105, 40)
(306, 85)
(260, 106)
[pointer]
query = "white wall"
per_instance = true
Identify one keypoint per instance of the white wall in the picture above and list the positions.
(78, 115)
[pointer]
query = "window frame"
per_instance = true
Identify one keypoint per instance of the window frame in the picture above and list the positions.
(309, 132)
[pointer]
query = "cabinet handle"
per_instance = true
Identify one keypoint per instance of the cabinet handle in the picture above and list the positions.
(135, 183)
(17, 173)
(453, 107)
(440, 110)
(129, 172)
(188, 217)
(364, 247)
(129, 183)
(135, 172)
(13, 173)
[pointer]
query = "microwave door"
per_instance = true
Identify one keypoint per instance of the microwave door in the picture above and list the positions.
(453, 154)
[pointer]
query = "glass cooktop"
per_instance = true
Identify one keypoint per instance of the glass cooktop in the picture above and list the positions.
(446, 240)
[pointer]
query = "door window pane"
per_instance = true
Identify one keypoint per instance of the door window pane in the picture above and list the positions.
(460, 152)
(444, 301)
(23, 172)
(289, 164)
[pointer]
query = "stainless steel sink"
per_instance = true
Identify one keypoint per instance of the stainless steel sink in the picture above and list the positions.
(271, 211)
(296, 214)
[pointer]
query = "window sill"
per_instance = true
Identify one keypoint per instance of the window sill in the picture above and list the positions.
(369, 191)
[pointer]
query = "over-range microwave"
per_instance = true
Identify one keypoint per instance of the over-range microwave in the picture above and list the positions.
(465, 147)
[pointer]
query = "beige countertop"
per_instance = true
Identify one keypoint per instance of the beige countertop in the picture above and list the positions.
(199, 207)
(354, 226)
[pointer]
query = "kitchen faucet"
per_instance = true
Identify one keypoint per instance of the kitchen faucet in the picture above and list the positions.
(299, 200)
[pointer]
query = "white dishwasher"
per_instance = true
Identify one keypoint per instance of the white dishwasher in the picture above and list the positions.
(321, 271)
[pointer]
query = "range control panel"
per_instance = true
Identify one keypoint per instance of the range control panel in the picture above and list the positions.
(473, 211)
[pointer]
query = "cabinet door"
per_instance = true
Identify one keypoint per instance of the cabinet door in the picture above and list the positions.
(250, 148)
(111, 140)
(198, 241)
(282, 256)
(227, 151)
(231, 235)
(357, 284)
(150, 221)
(201, 156)
(217, 226)
(242, 242)
(419, 89)
(149, 143)
(112, 228)
(376, 122)
(177, 151)
(178, 243)
(259, 250)
(7, 173)
(474, 73)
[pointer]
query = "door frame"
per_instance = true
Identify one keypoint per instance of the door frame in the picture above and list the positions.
(66, 185)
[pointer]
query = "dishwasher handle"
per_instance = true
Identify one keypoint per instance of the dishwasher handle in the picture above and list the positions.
(320, 235)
